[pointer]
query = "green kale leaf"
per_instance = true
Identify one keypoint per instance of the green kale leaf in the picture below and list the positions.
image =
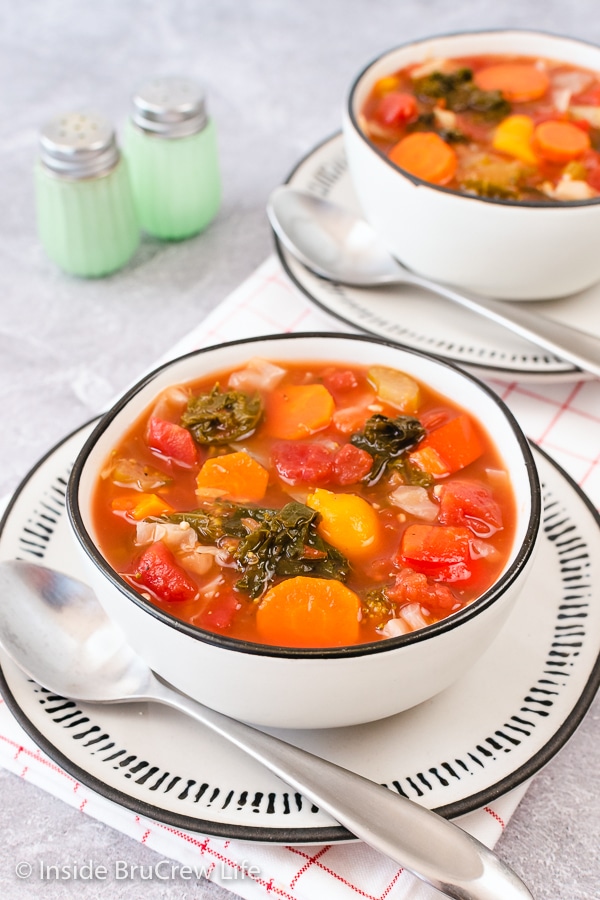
(461, 94)
(222, 416)
(388, 440)
(267, 543)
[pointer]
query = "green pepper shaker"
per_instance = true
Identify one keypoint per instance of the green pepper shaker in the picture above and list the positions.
(85, 211)
(171, 146)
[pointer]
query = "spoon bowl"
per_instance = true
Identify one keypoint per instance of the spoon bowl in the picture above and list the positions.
(337, 245)
(54, 628)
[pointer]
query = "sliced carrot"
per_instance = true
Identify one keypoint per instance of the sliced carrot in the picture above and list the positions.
(140, 505)
(309, 612)
(347, 521)
(449, 448)
(425, 155)
(518, 82)
(298, 410)
(560, 142)
(236, 476)
(429, 460)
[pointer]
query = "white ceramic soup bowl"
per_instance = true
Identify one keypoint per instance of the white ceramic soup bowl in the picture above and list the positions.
(312, 688)
(502, 248)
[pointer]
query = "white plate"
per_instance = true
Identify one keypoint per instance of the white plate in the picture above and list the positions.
(489, 732)
(420, 320)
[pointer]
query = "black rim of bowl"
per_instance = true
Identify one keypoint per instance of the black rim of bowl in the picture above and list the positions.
(419, 182)
(241, 646)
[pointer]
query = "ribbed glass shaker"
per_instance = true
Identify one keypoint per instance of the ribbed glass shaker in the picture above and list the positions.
(85, 210)
(171, 146)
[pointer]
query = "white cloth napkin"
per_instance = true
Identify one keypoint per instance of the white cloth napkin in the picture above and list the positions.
(551, 414)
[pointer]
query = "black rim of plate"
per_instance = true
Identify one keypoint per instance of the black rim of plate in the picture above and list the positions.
(560, 369)
(299, 835)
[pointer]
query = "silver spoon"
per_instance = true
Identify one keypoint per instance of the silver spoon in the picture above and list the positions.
(339, 246)
(54, 628)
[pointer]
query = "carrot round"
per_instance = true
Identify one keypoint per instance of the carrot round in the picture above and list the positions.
(560, 141)
(518, 82)
(298, 410)
(425, 155)
(309, 612)
(235, 476)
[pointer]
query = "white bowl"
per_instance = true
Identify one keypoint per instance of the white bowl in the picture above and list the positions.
(296, 688)
(502, 248)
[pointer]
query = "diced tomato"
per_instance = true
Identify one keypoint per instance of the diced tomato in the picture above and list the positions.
(157, 570)
(340, 381)
(415, 587)
(454, 444)
(219, 611)
(583, 124)
(351, 464)
(589, 97)
(469, 503)
(591, 161)
(440, 551)
(172, 441)
(303, 462)
(396, 109)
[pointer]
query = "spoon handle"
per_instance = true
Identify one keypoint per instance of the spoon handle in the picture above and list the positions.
(569, 343)
(431, 847)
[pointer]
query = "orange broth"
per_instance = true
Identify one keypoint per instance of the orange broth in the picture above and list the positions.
(329, 470)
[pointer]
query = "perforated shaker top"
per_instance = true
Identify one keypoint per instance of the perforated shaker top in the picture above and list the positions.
(170, 106)
(79, 145)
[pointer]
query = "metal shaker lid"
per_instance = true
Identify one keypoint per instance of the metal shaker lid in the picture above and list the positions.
(79, 145)
(170, 106)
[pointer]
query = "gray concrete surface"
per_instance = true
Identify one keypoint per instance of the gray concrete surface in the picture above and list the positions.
(276, 73)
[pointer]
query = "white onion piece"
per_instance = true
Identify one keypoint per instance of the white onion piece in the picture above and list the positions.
(172, 534)
(413, 616)
(575, 82)
(174, 399)
(415, 500)
(395, 627)
(569, 189)
(258, 374)
(432, 65)
(199, 561)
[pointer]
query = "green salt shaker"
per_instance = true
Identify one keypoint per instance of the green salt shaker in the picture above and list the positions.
(85, 209)
(171, 146)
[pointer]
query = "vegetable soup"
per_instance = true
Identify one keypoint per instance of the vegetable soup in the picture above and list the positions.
(306, 505)
(504, 127)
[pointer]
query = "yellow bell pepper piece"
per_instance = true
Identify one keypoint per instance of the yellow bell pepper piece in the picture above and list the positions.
(386, 84)
(513, 137)
(347, 522)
